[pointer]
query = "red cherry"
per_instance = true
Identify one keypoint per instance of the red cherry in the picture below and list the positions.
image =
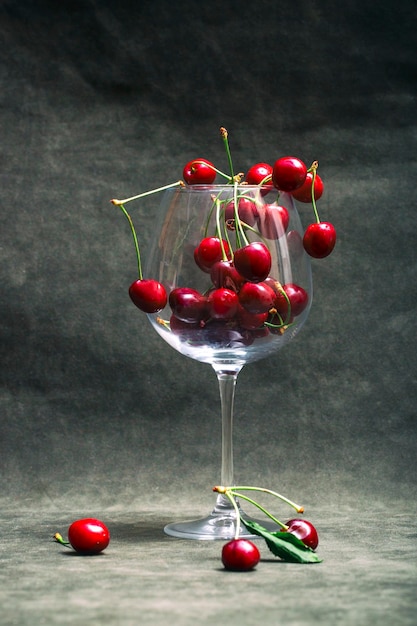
(253, 261)
(224, 274)
(199, 172)
(222, 303)
(187, 304)
(240, 555)
(88, 536)
(247, 211)
(319, 239)
(259, 172)
(209, 251)
(303, 193)
(273, 220)
(289, 173)
(304, 531)
(148, 295)
(296, 302)
(257, 297)
(250, 321)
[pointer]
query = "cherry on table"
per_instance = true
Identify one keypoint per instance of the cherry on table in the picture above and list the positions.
(303, 530)
(199, 172)
(319, 239)
(88, 536)
(148, 295)
(288, 173)
(240, 555)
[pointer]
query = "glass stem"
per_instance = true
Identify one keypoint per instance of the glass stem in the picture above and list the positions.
(227, 383)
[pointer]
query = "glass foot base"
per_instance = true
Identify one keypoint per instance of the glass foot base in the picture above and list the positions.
(214, 526)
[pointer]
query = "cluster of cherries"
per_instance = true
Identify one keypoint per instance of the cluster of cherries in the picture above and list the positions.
(243, 299)
(240, 554)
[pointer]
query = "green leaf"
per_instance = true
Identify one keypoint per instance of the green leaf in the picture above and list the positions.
(284, 545)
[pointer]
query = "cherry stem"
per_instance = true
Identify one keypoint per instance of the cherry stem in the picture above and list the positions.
(212, 167)
(240, 231)
(313, 169)
(58, 538)
(224, 135)
(229, 495)
(297, 507)
(261, 508)
(148, 193)
(135, 239)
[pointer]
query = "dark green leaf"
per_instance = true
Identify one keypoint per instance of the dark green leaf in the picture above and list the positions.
(284, 545)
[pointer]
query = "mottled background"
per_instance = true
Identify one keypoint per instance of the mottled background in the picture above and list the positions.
(108, 99)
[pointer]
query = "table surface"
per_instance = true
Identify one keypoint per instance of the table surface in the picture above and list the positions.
(368, 574)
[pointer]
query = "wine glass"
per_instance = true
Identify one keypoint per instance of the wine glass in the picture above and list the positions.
(239, 288)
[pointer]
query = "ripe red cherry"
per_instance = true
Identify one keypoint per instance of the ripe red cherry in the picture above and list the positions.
(305, 531)
(250, 321)
(240, 555)
(256, 297)
(148, 295)
(297, 297)
(289, 173)
(253, 261)
(247, 211)
(222, 303)
(224, 274)
(259, 172)
(319, 239)
(304, 193)
(209, 251)
(273, 220)
(187, 304)
(199, 172)
(88, 536)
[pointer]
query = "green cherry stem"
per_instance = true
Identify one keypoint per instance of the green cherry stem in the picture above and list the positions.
(313, 170)
(260, 507)
(135, 239)
(58, 538)
(212, 167)
(148, 193)
(229, 495)
(224, 135)
(297, 507)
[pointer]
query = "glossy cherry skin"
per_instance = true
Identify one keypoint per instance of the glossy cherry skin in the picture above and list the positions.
(256, 297)
(250, 321)
(240, 555)
(222, 303)
(273, 221)
(88, 536)
(258, 173)
(199, 172)
(188, 305)
(247, 211)
(305, 531)
(253, 261)
(209, 251)
(224, 274)
(319, 239)
(293, 302)
(289, 173)
(304, 193)
(148, 295)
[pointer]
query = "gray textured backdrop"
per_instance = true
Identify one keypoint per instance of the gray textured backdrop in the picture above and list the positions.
(104, 101)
